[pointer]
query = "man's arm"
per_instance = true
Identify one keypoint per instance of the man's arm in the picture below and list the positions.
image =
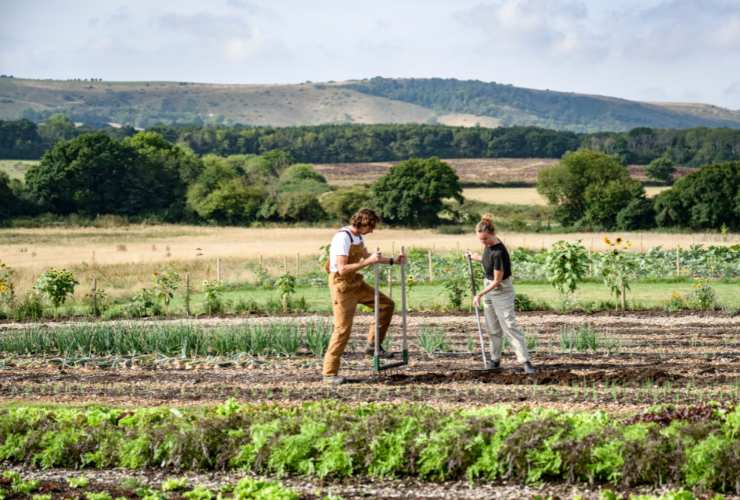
(344, 267)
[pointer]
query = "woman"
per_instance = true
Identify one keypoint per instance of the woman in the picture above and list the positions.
(498, 296)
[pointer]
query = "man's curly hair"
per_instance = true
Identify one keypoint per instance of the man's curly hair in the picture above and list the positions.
(365, 217)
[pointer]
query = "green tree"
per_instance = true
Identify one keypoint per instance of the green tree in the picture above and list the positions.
(298, 191)
(706, 199)
(223, 193)
(588, 188)
(344, 202)
(661, 169)
(9, 202)
(411, 193)
(168, 170)
(92, 174)
(57, 128)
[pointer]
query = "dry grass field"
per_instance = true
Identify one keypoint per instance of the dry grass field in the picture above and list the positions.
(524, 195)
(130, 254)
(470, 170)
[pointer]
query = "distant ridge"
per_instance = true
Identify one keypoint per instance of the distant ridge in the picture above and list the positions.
(376, 100)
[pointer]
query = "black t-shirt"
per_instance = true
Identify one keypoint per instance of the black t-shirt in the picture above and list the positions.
(496, 257)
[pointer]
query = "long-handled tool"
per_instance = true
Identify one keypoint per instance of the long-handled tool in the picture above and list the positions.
(477, 312)
(377, 366)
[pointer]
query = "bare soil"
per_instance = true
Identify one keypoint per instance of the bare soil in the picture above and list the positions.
(641, 360)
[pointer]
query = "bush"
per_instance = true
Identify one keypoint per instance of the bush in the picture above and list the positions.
(588, 188)
(707, 199)
(412, 192)
(56, 285)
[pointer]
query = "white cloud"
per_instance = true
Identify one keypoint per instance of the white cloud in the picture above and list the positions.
(557, 28)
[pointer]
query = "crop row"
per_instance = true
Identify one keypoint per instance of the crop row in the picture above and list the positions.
(184, 340)
(331, 440)
(13, 485)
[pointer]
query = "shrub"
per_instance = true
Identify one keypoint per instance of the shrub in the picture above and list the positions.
(56, 285)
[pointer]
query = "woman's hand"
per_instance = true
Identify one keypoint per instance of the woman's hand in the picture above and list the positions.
(476, 300)
(400, 260)
(473, 256)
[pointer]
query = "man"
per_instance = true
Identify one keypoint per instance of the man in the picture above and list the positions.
(347, 256)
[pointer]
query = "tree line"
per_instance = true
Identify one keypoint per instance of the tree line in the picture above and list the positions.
(147, 176)
(23, 139)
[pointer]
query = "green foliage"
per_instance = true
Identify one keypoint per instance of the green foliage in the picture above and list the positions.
(122, 339)
(78, 482)
(702, 296)
(7, 287)
(411, 193)
(617, 268)
(342, 203)
(334, 440)
(661, 169)
(455, 282)
(213, 290)
(567, 264)
(93, 174)
(174, 484)
(165, 285)
(433, 340)
(704, 199)
(638, 214)
(286, 287)
(56, 285)
(588, 188)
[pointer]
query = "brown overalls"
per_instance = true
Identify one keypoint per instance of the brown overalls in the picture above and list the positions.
(347, 291)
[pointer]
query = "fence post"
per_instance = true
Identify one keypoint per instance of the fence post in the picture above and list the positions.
(297, 264)
(187, 294)
(590, 263)
(431, 268)
(285, 264)
(260, 261)
(678, 260)
(95, 310)
(390, 282)
(218, 269)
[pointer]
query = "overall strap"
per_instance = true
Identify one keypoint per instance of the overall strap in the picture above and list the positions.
(351, 239)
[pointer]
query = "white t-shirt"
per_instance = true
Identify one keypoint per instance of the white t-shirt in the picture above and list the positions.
(340, 245)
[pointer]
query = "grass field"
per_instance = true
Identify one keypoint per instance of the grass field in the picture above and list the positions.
(524, 195)
(130, 254)
(16, 169)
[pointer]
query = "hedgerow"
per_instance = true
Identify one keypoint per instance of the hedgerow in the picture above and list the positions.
(331, 440)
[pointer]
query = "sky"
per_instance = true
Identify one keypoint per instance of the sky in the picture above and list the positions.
(653, 50)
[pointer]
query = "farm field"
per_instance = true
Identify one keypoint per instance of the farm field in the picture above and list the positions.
(16, 169)
(471, 171)
(524, 195)
(644, 371)
(142, 244)
(232, 399)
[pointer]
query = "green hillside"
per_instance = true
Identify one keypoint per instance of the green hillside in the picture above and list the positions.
(378, 100)
(556, 110)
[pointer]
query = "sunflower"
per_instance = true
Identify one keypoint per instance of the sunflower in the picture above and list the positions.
(618, 240)
(607, 240)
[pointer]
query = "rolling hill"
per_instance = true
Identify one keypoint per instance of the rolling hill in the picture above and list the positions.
(377, 100)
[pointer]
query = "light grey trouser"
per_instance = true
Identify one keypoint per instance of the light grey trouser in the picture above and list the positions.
(501, 319)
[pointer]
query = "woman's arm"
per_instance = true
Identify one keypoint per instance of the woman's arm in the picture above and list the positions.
(498, 277)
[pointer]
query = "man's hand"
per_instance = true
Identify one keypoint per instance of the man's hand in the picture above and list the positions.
(371, 259)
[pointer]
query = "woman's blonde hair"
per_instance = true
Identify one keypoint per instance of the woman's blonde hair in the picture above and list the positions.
(486, 225)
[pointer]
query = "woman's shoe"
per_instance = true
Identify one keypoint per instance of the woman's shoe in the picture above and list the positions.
(528, 368)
